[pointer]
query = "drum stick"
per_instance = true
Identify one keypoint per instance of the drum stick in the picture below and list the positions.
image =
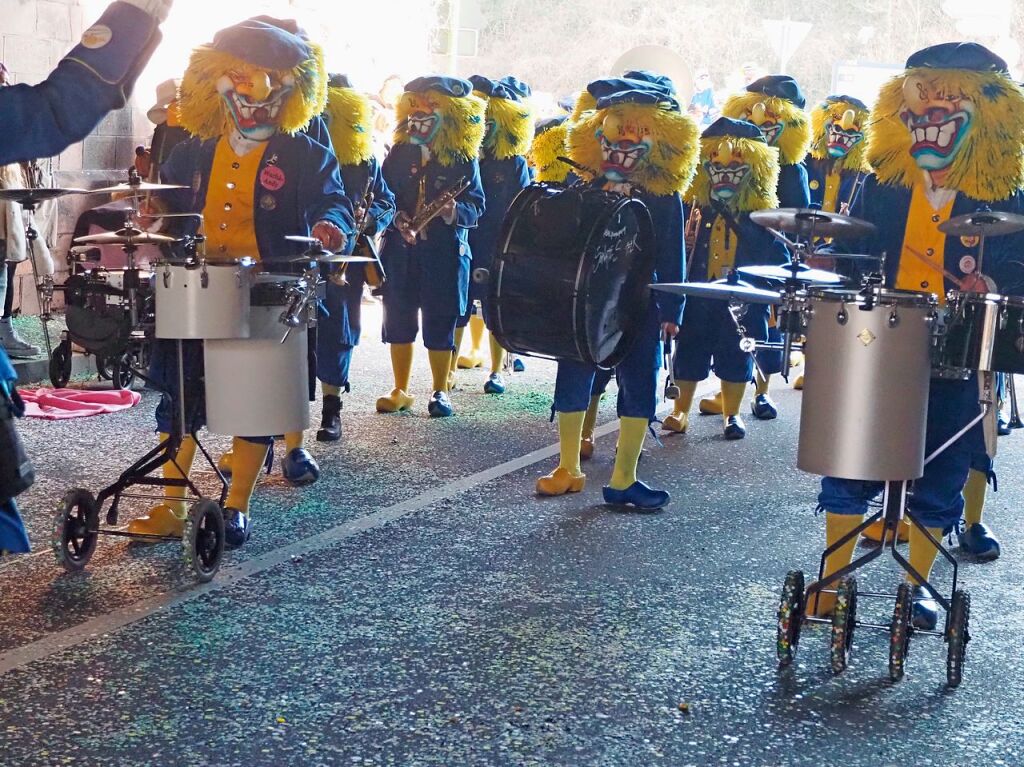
(917, 254)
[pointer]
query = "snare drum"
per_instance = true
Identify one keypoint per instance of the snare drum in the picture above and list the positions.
(203, 300)
(983, 331)
(258, 386)
(865, 398)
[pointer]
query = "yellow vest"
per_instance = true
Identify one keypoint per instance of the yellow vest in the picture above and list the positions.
(230, 226)
(922, 235)
(722, 249)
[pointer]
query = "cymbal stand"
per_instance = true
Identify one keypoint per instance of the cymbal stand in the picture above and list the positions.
(44, 285)
(1015, 422)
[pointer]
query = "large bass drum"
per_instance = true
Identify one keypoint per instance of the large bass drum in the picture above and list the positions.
(569, 279)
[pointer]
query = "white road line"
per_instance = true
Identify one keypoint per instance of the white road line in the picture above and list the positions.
(110, 622)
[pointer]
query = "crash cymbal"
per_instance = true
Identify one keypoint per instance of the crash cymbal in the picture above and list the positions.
(142, 186)
(36, 196)
(817, 223)
(784, 272)
(983, 223)
(130, 237)
(721, 291)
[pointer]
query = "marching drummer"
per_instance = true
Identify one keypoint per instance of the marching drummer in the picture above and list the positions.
(434, 173)
(245, 97)
(349, 118)
(738, 174)
(945, 139)
(504, 173)
(647, 148)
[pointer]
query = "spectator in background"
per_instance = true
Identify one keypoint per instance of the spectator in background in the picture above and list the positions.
(703, 107)
(384, 103)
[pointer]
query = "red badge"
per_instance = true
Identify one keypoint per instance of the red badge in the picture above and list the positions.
(272, 178)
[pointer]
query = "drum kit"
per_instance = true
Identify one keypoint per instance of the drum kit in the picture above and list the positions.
(254, 332)
(870, 353)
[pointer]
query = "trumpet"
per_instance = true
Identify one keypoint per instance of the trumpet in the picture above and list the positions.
(411, 227)
(363, 243)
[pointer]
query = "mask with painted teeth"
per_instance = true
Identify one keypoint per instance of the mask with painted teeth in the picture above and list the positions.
(841, 142)
(937, 134)
(423, 126)
(254, 100)
(621, 158)
(727, 180)
(490, 132)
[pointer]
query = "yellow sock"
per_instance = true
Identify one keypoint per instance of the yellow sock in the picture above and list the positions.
(246, 467)
(681, 404)
(631, 441)
(401, 365)
(732, 397)
(178, 469)
(294, 439)
(836, 526)
(459, 333)
(497, 355)
(330, 390)
(761, 384)
(476, 335)
(974, 497)
(440, 364)
(590, 418)
(570, 434)
(922, 552)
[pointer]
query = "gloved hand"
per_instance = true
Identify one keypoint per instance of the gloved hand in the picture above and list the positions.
(156, 8)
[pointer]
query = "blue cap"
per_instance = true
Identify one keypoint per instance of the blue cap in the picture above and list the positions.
(265, 44)
(483, 84)
(848, 99)
(547, 124)
(609, 85)
(970, 56)
(513, 82)
(726, 126)
(339, 81)
(449, 86)
(780, 86)
(647, 76)
(648, 95)
(493, 89)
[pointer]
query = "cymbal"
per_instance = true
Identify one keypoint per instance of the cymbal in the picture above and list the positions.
(126, 237)
(36, 196)
(807, 221)
(142, 186)
(721, 291)
(983, 223)
(782, 272)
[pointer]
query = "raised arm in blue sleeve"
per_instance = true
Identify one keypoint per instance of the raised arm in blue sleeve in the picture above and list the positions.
(470, 204)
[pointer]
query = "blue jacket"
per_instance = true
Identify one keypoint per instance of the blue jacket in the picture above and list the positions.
(756, 245)
(437, 267)
(43, 120)
(792, 189)
(818, 170)
(502, 181)
(312, 189)
(670, 260)
(887, 208)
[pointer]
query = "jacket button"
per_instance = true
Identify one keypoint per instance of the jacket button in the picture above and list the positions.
(924, 284)
(935, 219)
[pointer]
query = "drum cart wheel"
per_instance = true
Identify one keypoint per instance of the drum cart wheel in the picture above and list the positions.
(122, 373)
(899, 631)
(791, 613)
(844, 618)
(60, 364)
(957, 636)
(202, 544)
(75, 529)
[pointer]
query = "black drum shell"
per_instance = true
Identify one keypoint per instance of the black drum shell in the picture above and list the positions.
(571, 273)
(95, 325)
(984, 335)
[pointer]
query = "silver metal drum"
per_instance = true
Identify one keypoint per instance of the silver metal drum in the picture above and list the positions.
(203, 300)
(865, 398)
(259, 387)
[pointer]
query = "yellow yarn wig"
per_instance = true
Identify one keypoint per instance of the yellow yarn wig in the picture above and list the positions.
(513, 125)
(670, 164)
(758, 191)
(548, 145)
(350, 122)
(462, 124)
(990, 164)
(585, 102)
(795, 139)
(832, 111)
(202, 112)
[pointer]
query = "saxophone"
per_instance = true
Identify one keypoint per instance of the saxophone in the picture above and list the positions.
(413, 226)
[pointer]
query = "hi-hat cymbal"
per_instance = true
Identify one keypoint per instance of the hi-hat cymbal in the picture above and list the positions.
(36, 196)
(721, 291)
(810, 222)
(783, 272)
(142, 186)
(125, 237)
(983, 223)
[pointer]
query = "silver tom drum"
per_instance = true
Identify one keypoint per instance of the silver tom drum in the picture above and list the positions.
(203, 300)
(259, 386)
(983, 331)
(865, 399)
